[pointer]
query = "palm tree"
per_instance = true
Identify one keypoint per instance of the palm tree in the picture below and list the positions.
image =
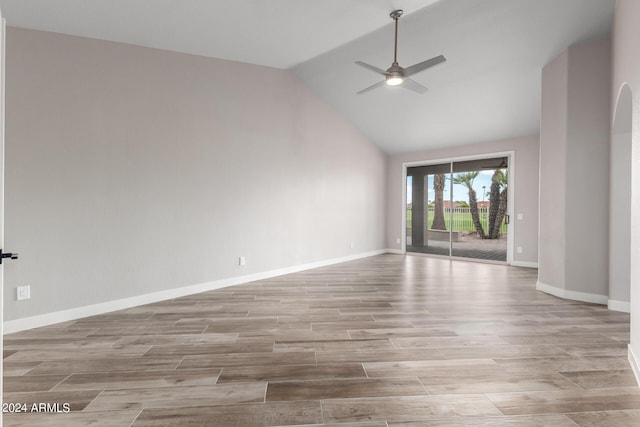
(438, 208)
(494, 200)
(502, 179)
(466, 179)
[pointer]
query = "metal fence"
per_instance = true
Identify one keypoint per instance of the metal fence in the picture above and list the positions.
(459, 219)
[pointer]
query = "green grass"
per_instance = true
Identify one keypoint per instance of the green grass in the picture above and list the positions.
(461, 221)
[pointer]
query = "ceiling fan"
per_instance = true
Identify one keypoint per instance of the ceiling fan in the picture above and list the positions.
(396, 75)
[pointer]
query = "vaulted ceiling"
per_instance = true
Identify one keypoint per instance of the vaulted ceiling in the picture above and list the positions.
(489, 87)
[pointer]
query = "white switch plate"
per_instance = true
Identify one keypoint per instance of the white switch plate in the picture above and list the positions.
(23, 292)
(519, 250)
(242, 261)
(520, 217)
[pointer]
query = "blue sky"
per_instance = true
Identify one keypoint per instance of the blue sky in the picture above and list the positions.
(459, 191)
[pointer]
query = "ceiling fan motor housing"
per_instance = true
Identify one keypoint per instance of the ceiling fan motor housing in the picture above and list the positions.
(394, 75)
(395, 70)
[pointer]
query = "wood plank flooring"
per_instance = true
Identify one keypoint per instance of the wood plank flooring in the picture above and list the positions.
(387, 341)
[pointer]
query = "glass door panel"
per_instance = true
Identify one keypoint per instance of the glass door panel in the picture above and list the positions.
(478, 209)
(428, 192)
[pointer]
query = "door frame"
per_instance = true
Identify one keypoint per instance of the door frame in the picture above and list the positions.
(511, 183)
(2, 127)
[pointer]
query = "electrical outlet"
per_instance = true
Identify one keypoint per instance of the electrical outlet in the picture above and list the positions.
(23, 292)
(242, 261)
(519, 249)
(353, 245)
(520, 217)
(398, 241)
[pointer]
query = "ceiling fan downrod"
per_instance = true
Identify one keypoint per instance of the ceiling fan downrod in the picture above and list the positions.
(395, 15)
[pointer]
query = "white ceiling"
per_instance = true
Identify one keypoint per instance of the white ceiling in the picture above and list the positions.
(275, 33)
(488, 89)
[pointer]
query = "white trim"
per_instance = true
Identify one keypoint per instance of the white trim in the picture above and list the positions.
(105, 307)
(396, 251)
(477, 260)
(572, 295)
(623, 306)
(480, 156)
(527, 264)
(3, 50)
(456, 258)
(511, 205)
(436, 256)
(403, 215)
(635, 366)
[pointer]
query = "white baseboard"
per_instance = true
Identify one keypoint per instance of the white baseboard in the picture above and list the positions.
(572, 295)
(623, 306)
(635, 364)
(527, 264)
(120, 304)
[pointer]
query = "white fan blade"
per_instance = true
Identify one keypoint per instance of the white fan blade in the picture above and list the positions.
(413, 85)
(372, 68)
(373, 86)
(420, 66)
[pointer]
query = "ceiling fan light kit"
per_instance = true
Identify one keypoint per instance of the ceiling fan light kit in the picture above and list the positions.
(396, 75)
(394, 80)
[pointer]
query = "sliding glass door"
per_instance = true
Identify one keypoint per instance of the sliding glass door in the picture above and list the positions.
(427, 231)
(459, 209)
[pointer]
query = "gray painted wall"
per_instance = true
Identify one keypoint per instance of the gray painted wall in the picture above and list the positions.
(620, 218)
(132, 170)
(574, 143)
(626, 78)
(525, 186)
(553, 151)
(620, 202)
(587, 172)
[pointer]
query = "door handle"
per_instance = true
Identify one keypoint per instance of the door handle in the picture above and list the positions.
(7, 255)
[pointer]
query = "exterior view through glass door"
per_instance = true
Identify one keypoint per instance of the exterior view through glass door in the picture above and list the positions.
(427, 230)
(459, 209)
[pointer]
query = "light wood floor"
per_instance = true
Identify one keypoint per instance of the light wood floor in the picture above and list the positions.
(385, 341)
